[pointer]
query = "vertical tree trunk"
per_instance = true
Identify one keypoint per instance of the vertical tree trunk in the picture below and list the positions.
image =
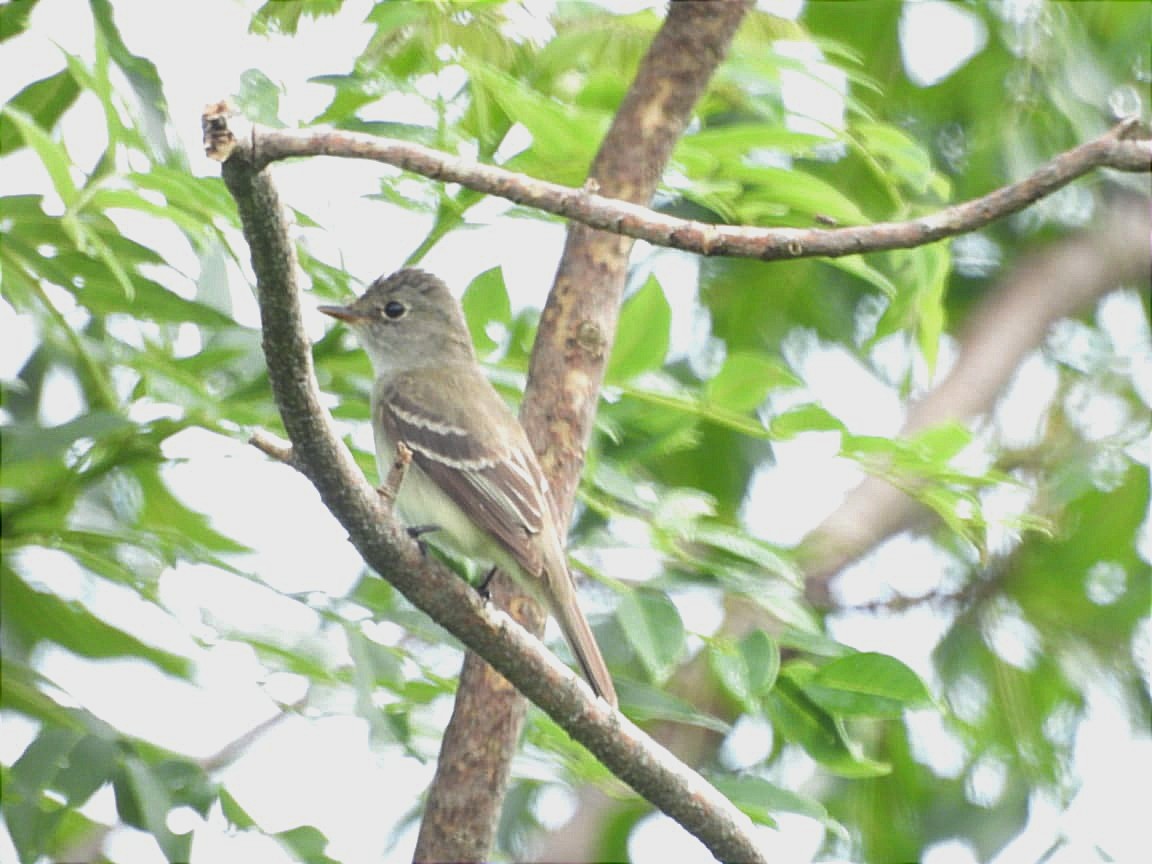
(568, 360)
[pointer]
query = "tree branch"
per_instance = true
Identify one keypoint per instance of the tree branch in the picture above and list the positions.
(630, 754)
(1125, 147)
(578, 324)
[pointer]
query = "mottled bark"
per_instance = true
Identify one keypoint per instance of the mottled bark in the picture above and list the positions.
(572, 346)
(464, 801)
(579, 321)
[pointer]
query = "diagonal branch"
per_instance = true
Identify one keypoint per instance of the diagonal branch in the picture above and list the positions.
(1125, 147)
(626, 750)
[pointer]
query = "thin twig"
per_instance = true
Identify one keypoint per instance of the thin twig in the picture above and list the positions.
(232, 751)
(390, 488)
(277, 448)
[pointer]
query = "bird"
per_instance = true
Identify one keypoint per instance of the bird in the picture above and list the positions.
(474, 476)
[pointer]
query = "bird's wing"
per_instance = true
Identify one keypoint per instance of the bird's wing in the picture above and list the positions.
(495, 480)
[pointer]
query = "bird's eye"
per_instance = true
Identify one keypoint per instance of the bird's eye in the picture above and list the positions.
(395, 309)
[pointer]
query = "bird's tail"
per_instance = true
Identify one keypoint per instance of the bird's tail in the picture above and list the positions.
(578, 632)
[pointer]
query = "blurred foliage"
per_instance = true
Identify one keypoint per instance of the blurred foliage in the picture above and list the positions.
(113, 318)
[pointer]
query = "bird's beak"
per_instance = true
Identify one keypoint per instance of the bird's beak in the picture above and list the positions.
(344, 313)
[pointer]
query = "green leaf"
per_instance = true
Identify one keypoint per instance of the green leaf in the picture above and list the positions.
(710, 150)
(745, 379)
(941, 443)
(308, 843)
(259, 98)
(936, 268)
(801, 720)
(904, 158)
(14, 18)
(652, 625)
(761, 660)
(866, 684)
(43, 102)
(390, 17)
(864, 271)
(43, 759)
(38, 616)
(648, 703)
(32, 826)
(918, 308)
(91, 763)
(236, 815)
(26, 692)
(104, 199)
(803, 418)
(775, 191)
(187, 783)
(610, 44)
(22, 443)
(375, 666)
(486, 302)
(284, 18)
(748, 668)
(69, 830)
(53, 155)
(761, 554)
(143, 801)
(679, 511)
(190, 532)
(205, 198)
(151, 301)
(642, 334)
(142, 77)
(564, 136)
(676, 399)
(760, 799)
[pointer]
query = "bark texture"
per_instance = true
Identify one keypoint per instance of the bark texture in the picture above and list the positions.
(568, 360)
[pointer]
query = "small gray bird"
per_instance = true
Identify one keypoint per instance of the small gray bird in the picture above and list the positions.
(473, 476)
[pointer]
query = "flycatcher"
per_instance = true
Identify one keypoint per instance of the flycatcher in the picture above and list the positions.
(473, 475)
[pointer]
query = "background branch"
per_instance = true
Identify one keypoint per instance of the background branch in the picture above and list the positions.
(1012, 321)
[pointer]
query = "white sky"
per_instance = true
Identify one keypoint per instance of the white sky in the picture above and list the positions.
(318, 768)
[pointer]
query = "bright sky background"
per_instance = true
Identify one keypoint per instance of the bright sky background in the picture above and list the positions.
(317, 768)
